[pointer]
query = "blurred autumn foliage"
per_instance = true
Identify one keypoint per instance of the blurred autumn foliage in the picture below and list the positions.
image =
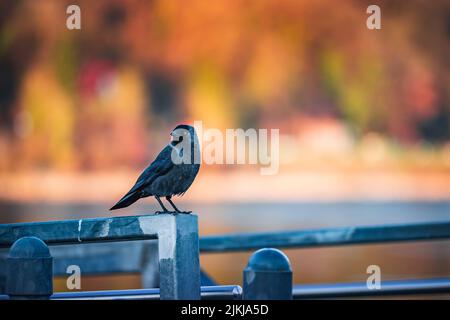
(101, 97)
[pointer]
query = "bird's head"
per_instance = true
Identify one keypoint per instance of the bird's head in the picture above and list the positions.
(182, 132)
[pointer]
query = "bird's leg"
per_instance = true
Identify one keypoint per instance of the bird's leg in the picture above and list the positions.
(162, 206)
(168, 198)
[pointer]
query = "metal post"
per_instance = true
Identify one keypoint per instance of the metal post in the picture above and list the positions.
(149, 265)
(268, 276)
(29, 270)
(179, 261)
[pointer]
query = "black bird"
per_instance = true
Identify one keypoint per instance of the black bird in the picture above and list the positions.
(171, 173)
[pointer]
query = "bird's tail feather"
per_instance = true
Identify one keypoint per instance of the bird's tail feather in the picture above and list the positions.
(127, 200)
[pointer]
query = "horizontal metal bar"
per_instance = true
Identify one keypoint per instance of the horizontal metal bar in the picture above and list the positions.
(326, 237)
(306, 291)
(360, 289)
(129, 228)
(207, 293)
(83, 230)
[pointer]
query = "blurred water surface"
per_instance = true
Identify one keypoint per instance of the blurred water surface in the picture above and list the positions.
(235, 216)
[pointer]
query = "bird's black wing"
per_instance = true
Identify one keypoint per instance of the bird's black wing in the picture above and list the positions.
(160, 166)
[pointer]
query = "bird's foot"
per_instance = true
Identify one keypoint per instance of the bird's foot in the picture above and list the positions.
(173, 212)
(170, 212)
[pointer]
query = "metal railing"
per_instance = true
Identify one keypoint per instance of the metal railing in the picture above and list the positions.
(360, 289)
(207, 293)
(179, 266)
(326, 237)
(177, 254)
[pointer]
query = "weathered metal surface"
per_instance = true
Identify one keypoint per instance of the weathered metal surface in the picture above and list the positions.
(359, 289)
(177, 243)
(29, 272)
(178, 252)
(128, 228)
(268, 276)
(85, 230)
(326, 237)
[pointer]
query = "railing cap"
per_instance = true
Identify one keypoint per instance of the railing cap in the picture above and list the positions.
(269, 259)
(29, 247)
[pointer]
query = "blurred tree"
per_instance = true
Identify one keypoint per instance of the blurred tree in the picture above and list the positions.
(228, 63)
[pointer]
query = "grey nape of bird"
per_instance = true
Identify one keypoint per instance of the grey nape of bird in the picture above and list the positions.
(165, 177)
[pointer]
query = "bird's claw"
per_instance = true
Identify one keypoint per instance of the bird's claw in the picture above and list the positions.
(180, 212)
(172, 212)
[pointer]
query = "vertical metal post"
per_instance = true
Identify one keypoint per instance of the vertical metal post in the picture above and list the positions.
(29, 270)
(178, 250)
(150, 265)
(268, 276)
(179, 260)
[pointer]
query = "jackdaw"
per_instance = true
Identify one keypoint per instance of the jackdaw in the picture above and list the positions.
(171, 173)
